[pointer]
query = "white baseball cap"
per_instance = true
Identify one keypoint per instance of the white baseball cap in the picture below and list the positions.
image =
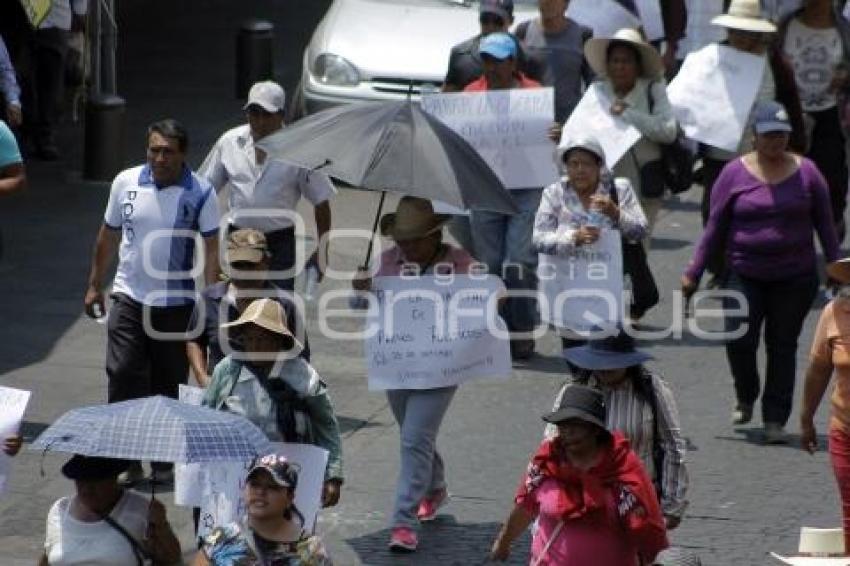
(267, 95)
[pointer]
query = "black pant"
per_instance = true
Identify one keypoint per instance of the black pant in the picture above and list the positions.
(711, 168)
(782, 307)
(43, 84)
(138, 365)
(827, 151)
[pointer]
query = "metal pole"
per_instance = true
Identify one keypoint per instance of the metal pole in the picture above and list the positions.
(110, 43)
(94, 49)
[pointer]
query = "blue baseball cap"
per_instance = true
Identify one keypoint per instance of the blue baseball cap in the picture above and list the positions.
(770, 116)
(498, 45)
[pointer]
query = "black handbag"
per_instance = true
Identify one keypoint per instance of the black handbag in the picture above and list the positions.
(675, 169)
(645, 293)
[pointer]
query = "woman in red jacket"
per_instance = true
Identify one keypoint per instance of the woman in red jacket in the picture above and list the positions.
(593, 500)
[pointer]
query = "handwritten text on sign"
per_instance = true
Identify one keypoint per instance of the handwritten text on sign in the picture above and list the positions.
(713, 93)
(436, 333)
(508, 128)
(13, 403)
(584, 290)
(224, 483)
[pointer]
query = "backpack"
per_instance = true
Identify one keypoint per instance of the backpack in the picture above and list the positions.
(677, 158)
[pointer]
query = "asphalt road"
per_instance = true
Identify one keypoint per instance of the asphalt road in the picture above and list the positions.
(177, 60)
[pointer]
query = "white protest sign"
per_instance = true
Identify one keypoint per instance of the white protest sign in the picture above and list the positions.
(651, 20)
(436, 331)
(605, 17)
(188, 490)
(13, 403)
(699, 31)
(508, 128)
(713, 93)
(593, 116)
(224, 484)
(583, 290)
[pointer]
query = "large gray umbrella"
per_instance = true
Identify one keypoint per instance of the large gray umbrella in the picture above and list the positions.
(392, 146)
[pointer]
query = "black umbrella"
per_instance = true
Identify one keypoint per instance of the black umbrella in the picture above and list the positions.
(392, 146)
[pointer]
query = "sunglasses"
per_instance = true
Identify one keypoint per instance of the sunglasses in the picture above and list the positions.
(491, 19)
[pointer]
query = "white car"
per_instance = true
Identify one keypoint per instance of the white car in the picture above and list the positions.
(385, 49)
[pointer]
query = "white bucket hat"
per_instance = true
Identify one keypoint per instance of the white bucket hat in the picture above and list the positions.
(745, 15)
(596, 53)
(818, 547)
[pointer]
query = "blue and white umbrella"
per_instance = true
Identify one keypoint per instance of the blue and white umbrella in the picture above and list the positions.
(157, 429)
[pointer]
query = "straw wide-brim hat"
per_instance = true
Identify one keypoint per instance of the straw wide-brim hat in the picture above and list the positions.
(265, 313)
(745, 15)
(839, 270)
(818, 547)
(596, 53)
(414, 218)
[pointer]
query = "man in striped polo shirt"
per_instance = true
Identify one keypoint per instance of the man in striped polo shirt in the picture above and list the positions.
(155, 215)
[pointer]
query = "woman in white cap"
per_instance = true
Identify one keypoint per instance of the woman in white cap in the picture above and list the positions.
(749, 32)
(421, 490)
(816, 39)
(592, 499)
(632, 77)
(273, 531)
(585, 201)
(830, 356)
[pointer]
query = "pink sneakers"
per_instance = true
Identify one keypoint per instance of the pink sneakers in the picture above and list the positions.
(403, 539)
(430, 505)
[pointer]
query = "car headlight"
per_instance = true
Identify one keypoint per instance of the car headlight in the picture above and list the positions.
(333, 70)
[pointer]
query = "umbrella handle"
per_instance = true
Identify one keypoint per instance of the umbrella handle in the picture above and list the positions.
(374, 230)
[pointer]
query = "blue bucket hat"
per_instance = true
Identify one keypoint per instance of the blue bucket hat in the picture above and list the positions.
(613, 352)
(498, 45)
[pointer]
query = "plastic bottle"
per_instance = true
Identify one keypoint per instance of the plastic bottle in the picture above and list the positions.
(311, 282)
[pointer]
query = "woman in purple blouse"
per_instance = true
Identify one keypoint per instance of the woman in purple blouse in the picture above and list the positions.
(765, 207)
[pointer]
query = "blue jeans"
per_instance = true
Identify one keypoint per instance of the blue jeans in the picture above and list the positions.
(503, 242)
(781, 306)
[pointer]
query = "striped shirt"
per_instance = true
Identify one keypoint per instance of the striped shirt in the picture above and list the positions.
(628, 412)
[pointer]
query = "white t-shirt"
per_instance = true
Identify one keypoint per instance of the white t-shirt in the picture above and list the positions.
(272, 186)
(72, 542)
(155, 264)
(814, 53)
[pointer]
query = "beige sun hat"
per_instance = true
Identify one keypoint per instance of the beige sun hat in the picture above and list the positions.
(596, 53)
(413, 219)
(839, 270)
(818, 547)
(265, 313)
(745, 15)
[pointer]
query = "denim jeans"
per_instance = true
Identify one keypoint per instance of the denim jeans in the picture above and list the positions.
(419, 414)
(503, 242)
(781, 306)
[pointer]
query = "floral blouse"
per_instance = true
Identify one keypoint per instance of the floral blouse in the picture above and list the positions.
(237, 545)
(561, 213)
